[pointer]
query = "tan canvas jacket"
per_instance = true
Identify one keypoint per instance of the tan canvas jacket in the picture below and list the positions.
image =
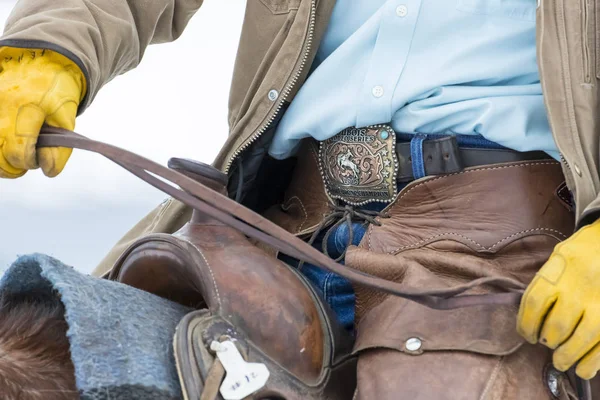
(278, 42)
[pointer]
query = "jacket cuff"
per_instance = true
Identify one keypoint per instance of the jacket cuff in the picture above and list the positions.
(41, 44)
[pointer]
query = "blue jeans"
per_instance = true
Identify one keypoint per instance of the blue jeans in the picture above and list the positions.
(334, 289)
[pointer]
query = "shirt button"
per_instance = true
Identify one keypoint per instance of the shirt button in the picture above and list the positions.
(402, 11)
(377, 91)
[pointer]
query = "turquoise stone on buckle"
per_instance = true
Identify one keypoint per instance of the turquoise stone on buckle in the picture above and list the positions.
(359, 165)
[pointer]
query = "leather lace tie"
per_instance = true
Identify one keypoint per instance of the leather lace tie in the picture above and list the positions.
(338, 216)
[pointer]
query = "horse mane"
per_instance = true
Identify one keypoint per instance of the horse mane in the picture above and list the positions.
(35, 360)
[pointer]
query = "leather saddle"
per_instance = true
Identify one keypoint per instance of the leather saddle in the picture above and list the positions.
(243, 295)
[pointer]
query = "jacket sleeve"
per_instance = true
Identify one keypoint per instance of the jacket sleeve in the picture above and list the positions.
(105, 38)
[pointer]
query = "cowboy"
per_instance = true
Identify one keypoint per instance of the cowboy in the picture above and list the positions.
(460, 122)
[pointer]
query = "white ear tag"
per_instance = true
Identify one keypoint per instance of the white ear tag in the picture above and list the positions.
(242, 378)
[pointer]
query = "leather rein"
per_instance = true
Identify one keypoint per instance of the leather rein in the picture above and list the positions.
(229, 212)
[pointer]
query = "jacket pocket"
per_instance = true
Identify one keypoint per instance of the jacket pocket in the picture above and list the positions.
(515, 9)
(281, 6)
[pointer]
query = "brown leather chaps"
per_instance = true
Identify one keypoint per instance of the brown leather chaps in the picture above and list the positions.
(492, 221)
(501, 220)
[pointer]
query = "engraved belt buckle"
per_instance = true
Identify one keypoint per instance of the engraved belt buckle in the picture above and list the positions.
(359, 165)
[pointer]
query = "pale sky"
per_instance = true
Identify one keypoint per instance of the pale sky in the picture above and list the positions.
(170, 106)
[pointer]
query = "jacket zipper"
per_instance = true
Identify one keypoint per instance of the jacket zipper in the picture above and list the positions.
(288, 88)
(585, 41)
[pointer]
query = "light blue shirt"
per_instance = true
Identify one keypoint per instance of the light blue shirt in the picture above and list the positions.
(425, 66)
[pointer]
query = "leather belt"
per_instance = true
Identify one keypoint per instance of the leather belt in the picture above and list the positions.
(444, 156)
(365, 165)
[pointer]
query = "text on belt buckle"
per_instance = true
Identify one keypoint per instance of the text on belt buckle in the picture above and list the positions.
(359, 165)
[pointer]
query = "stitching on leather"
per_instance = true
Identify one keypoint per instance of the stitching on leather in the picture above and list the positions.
(402, 195)
(473, 171)
(492, 379)
(289, 204)
(562, 235)
(562, 194)
(482, 247)
(370, 230)
(435, 237)
(212, 275)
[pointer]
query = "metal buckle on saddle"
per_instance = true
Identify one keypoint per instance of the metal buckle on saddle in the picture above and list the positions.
(360, 166)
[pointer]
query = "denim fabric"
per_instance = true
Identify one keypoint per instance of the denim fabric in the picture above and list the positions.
(334, 289)
(337, 291)
(416, 153)
(470, 141)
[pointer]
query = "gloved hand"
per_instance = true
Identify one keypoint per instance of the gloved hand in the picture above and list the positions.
(561, 306)
(36, 87)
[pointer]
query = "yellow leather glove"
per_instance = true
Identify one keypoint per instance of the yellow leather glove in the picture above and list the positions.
(561, 306)
(36, 86)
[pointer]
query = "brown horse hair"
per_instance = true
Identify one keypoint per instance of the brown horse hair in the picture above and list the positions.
(35, 360)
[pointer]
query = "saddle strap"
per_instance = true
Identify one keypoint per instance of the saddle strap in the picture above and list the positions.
(229, 212)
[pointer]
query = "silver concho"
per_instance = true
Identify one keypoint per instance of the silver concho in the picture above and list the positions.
(359, 165)
(553, 378)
